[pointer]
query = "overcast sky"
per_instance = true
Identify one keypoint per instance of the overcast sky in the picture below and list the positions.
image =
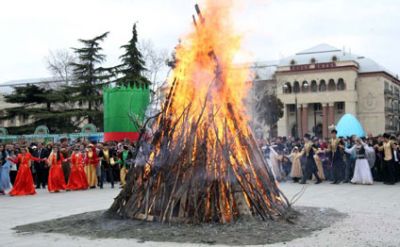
(272, 29)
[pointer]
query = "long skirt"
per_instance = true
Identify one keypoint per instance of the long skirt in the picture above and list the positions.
(320, 168)
(77, 179)
(56, 181)
(91, 175)
(296, 171)
(5, 182)
(122, 175)
(23, 184)
(276, 169)
(362, 172)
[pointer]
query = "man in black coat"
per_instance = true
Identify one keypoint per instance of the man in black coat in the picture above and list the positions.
(336, 154)
(41, 167)
(106, 155)
(309, 166)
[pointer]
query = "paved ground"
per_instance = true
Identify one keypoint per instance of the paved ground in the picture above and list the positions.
(374, 216)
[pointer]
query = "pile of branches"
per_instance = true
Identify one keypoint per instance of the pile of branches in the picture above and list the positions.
(187, 172)
(199, 166)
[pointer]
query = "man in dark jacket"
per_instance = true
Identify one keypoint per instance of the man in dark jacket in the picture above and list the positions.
(41, 167)
(107, 162)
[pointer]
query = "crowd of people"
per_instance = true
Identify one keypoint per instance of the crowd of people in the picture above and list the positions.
(81, 165)
(337, 159)
(63, 166)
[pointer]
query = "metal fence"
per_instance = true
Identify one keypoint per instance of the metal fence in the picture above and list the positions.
(98, 137)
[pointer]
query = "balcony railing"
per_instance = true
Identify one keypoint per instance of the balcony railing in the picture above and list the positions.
(388, 92)
(389, 109)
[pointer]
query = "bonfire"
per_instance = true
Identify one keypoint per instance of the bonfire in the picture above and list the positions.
(202, 163)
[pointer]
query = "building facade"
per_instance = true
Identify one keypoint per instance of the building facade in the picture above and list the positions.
(319, 85)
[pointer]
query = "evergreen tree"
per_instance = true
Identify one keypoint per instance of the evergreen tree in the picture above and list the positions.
(133, 65)
(36, 106)
(270, 109)
(90, 78)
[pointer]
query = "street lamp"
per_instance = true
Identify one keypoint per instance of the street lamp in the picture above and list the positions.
(296, 91)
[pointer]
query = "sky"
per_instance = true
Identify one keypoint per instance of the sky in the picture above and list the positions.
(271, 29)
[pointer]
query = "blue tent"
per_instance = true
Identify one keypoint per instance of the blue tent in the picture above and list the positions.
(348, 125)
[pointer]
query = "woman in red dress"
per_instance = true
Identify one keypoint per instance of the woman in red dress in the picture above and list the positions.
(23, 182)
(56, 181)
(77, 178)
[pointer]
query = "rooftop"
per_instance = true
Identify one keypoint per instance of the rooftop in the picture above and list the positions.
(324, 53)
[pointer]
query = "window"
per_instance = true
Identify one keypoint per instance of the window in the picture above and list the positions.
(318, 107)
(314, 86)
(341, 85)
(296, 87)
(292, 62)
(386, 85)
(334, 58)
(304, 86)
(313, 61)
(331, 85)
(322, 86)
(292, 108)
(340, 107)
(287, 88)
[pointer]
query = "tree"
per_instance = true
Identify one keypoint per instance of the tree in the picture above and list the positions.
(263, 104)
(270, 109)
(132, 67)
(155, 60)
(59, 63)
(90, 77)
(36, 105)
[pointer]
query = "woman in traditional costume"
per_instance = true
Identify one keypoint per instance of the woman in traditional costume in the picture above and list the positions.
(5, 166)
(318, 162)
(77, 178)
(23, 184)
(276, 159)
(56, 180)
(362, 170)
(91, 162)
(296, 172)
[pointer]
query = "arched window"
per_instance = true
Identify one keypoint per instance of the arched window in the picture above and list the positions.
(314, 86)
(304, 86)
(296, 87)
(287, 88)
(341, 85)
(331, 85)
(322, 86)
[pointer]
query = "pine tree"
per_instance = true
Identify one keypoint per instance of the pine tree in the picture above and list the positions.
(37, 105)
(90, 78)
(269, 109)
(133, 65)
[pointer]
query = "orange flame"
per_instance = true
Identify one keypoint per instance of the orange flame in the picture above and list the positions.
(209, 127)
(205, 64)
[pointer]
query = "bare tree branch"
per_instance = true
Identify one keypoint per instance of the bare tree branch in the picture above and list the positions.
(59, 64)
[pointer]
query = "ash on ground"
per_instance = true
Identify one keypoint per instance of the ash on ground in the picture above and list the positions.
(243, 232)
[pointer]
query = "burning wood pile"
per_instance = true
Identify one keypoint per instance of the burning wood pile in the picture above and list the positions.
(202, 163)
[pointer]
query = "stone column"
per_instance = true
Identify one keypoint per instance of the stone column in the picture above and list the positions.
(282, 122)
(331, 114)
(304, 119)
(298, 120)
(325, 132)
